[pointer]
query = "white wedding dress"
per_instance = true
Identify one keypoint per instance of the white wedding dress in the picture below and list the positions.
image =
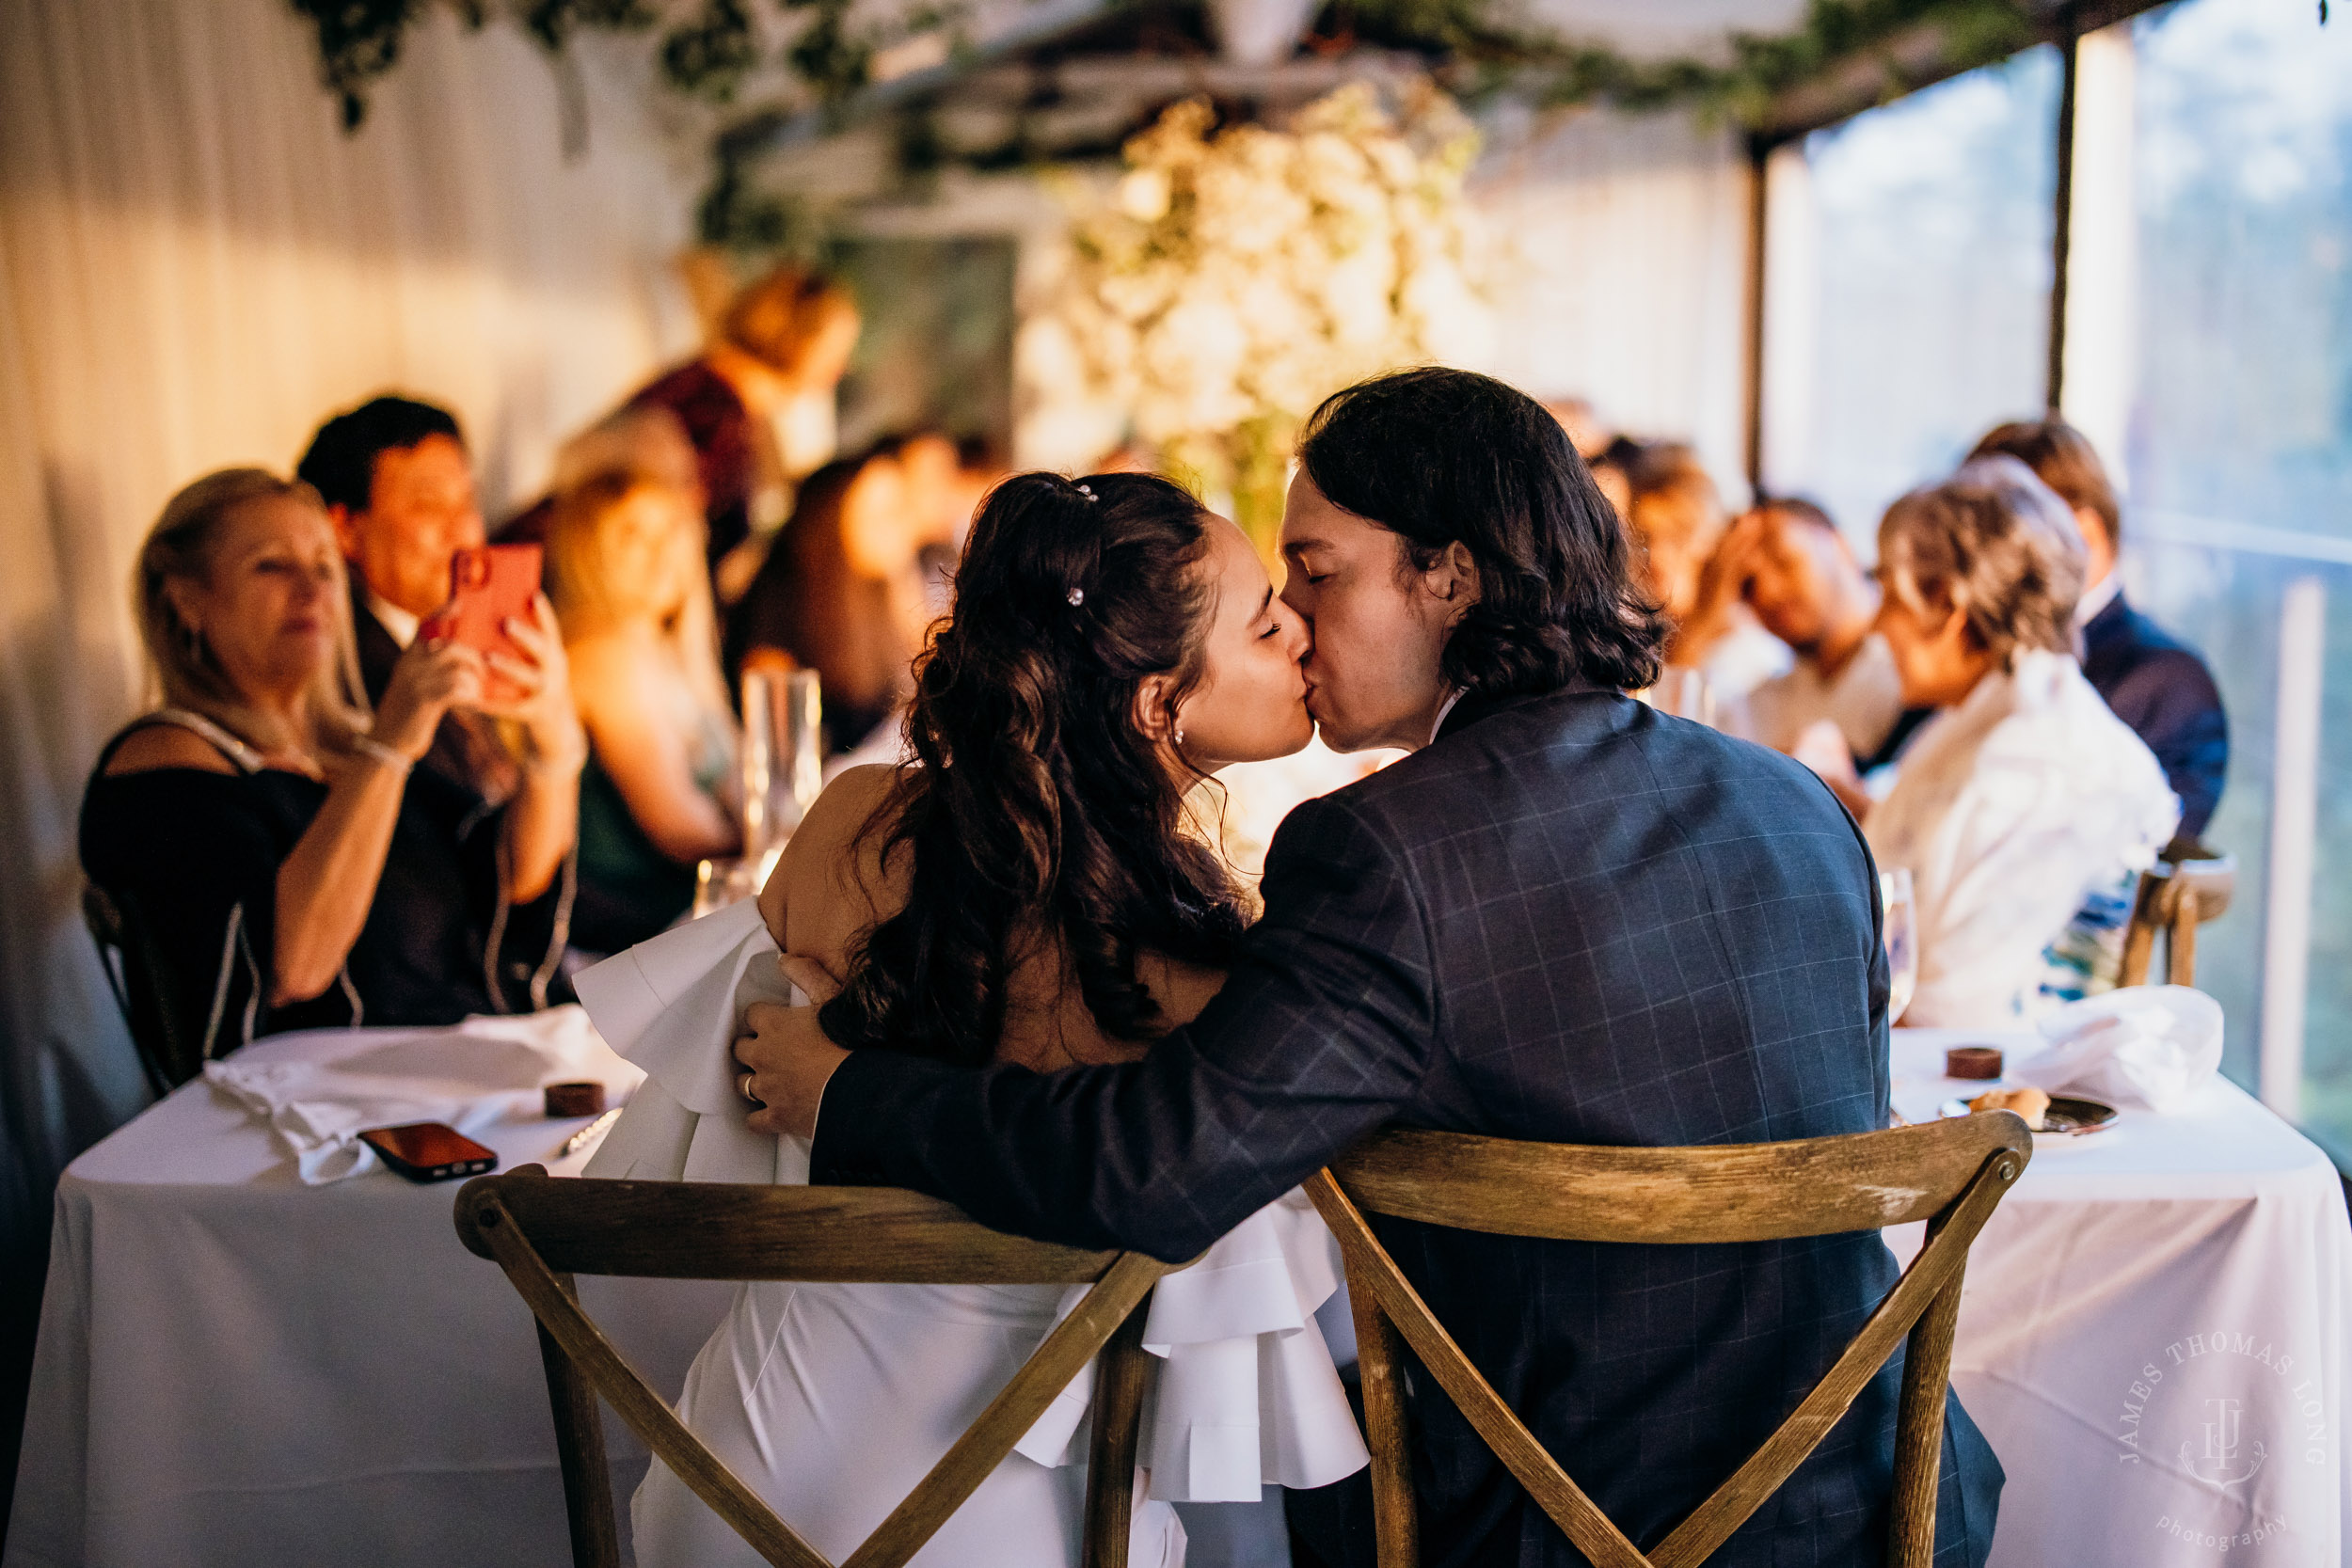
(833, 1400)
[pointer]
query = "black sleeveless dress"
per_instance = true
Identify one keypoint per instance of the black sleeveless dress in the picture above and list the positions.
(194, 857)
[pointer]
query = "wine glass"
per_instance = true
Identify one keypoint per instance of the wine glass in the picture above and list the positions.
(780, 761)
(1899, 923)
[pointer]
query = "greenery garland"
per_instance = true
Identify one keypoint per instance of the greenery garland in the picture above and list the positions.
(1490, 56)
(708, 50)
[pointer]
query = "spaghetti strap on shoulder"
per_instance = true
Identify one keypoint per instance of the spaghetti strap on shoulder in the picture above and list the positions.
(242, 756)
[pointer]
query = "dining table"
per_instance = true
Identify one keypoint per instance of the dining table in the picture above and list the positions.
(2152, 1331)
(236, 1367)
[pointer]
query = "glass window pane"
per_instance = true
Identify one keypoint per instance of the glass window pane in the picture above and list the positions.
(1933, 253)
(2241, 447)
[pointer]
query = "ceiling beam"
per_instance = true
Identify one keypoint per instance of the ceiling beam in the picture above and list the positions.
(1916, 58)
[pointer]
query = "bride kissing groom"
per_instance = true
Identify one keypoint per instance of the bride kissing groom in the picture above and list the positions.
(1564, 917)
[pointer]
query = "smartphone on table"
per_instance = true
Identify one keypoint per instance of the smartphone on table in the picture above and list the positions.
(488, 586)
(430, 1151)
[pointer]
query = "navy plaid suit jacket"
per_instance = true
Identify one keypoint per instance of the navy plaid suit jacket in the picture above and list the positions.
(1570, 919)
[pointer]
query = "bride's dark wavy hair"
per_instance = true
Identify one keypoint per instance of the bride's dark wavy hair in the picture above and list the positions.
(1033, 807)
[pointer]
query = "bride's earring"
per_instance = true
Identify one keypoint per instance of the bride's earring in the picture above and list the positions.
(1180, 734)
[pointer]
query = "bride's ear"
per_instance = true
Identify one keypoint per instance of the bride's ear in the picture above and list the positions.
(1151, 715)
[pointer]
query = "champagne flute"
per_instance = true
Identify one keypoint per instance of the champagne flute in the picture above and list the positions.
(1900, 925)
(781, 760)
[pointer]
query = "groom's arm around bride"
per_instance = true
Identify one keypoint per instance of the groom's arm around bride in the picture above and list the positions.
(1564, 918)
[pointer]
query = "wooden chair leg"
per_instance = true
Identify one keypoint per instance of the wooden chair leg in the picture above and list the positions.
(1919, 1431)
(1380, 1352)
(2139, 937)
(2181, 957)
(1111, 1456)
(580, 1449)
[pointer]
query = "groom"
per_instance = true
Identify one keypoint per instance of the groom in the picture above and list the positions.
(1564, 918)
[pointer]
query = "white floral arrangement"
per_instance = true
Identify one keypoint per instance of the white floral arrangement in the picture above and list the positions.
(1238, 276)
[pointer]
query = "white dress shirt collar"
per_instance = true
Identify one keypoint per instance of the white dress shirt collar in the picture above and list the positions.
(393, 618)
(1443, 709)
(2098, 597)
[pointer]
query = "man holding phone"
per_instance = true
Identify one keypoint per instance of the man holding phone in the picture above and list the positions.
(399, 488)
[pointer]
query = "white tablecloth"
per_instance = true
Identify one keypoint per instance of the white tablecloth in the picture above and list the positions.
(236, 1368)
(2152, 1334)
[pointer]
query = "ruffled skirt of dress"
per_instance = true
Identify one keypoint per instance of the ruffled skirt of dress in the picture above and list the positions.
(832, 1402)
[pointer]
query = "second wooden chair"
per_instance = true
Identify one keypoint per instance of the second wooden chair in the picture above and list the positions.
(1948, 1173)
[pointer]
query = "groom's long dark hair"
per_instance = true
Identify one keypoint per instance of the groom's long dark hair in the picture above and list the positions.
(1437, 455)
(1035, 810)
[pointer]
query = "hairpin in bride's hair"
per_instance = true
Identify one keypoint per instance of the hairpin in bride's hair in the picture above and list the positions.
(1086, 490)
(1077, 597)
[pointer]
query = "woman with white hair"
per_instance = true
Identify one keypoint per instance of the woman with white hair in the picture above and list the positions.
(2024, 803)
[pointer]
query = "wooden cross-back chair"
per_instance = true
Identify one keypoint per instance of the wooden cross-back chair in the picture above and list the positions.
(2174, 897)
(1948, 1173)
(544, 1231)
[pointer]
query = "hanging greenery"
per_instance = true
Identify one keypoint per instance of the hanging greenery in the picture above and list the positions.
(709, 48)
(1489, 53)
(812, 52)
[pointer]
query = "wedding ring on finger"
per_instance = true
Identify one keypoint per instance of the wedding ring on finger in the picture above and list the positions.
(743, 1087)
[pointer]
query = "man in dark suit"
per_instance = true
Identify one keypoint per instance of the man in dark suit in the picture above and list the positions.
(2154, 682)
(399, 488)
(1566, 918)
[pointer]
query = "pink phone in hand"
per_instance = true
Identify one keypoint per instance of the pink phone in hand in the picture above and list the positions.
(488, 585)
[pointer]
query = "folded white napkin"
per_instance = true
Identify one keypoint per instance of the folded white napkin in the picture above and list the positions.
(2151, 1046)
(469, 1075)
(1247, 1392)
(673, 1007)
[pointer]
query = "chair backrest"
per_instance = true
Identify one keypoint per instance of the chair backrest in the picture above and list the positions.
(143, 983)
(2175, 898)
(1948, 1173)
(544, 1231)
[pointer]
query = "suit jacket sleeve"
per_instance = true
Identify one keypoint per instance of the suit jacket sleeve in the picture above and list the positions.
(2177, 710)
(1320, 1034)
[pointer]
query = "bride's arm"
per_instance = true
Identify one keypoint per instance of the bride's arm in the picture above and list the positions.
(830, 883)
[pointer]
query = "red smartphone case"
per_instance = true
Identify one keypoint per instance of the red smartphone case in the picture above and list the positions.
(488, 586)
(430, 1151)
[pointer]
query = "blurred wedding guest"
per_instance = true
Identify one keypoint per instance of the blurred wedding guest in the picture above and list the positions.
(274, 842)
(2154, 682)
(399, 489)
(1609, 455)
(781, 339)
(1613, 471)
(2026, 809)
(1678, 520)
(1787, 561)
(1583, 426)
(945, 482)
(842, 593)
(644, 439)
(625, 566)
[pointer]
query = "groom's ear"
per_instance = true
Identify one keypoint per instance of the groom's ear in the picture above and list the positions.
(1453, 577)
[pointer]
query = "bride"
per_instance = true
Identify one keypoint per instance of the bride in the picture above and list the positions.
(1033, 888)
